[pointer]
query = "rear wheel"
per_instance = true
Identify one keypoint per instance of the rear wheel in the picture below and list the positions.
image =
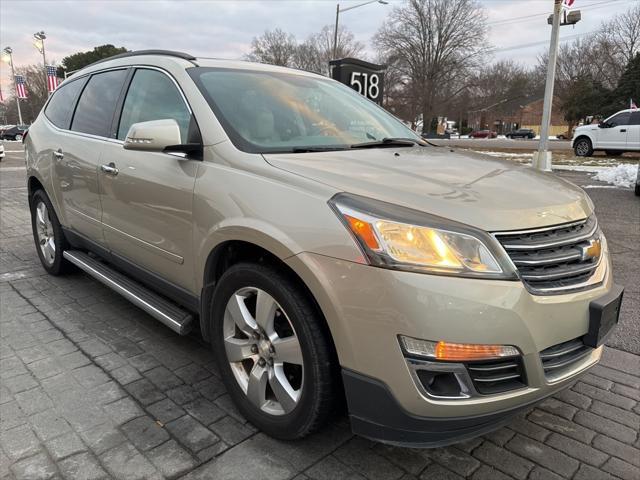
(47, 234)
(583, 147)
(273, 351)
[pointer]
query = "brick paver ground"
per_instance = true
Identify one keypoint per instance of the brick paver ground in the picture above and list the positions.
(91, 387)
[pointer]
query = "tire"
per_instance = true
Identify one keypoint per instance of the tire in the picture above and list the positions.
(613, 153)
(314, 382)
(45, 225)
(582, 147)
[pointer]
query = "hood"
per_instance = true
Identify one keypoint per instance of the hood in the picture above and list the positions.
(470, 188)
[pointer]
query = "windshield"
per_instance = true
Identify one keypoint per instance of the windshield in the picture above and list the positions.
(266, 112)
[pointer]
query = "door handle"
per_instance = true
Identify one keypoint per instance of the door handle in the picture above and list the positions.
(623, 130)
(109, 169)
(58, 154)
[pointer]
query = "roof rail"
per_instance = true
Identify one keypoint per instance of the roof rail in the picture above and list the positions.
(166, 53)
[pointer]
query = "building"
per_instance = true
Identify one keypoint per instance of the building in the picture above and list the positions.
(514, 116)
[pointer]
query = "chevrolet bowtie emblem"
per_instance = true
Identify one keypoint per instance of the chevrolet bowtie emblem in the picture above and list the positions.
(592, 250)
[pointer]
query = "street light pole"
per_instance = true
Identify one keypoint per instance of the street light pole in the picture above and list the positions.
(339, 11)
(9, 51)
(40, 36)
(542, 158)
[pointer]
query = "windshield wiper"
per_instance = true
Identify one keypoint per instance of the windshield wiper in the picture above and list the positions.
(315, 149)
(390, 142)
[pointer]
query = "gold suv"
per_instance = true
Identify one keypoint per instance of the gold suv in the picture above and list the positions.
(322, 248)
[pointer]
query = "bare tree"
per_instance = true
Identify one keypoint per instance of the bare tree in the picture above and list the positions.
(435, 43)
(275, 47)
(622, 33)
(347, 45)
(36, 95)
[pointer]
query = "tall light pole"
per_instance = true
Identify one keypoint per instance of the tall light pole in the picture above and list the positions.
(39, 44)
(9, 51)
(542, 158)
(339, 11)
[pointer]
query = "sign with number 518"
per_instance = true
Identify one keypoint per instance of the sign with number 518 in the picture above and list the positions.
(365, 78)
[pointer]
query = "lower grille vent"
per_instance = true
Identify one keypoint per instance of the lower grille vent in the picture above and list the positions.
(562, 356)
(497, 376)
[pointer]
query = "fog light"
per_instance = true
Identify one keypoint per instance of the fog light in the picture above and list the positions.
(456, 352)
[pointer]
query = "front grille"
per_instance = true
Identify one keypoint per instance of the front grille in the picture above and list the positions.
(561, 357)
(551, 260)
(497, 376)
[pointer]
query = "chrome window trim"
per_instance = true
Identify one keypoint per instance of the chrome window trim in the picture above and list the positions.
(121, 67)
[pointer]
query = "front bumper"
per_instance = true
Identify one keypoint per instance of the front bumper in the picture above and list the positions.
(367, 308)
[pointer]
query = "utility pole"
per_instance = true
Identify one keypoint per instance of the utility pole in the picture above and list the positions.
(9, 51)
(542, 158)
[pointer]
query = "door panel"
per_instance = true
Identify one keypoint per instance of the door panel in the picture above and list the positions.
(147, 211)
(633, 135)
(614, 137)
(75, 176)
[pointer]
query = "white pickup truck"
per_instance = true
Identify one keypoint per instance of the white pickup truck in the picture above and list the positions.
(617, 134)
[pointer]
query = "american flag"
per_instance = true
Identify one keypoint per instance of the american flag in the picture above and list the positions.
(52, 79)
(21, 87)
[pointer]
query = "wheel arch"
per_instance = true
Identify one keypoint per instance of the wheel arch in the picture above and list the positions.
(233, 251)
(580, 137)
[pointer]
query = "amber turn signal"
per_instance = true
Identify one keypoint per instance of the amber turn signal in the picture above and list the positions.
(456, 352)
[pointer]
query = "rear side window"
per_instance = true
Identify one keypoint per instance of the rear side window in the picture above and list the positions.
(153, 96)
(97, 103)
(635, 118)
(60, 108)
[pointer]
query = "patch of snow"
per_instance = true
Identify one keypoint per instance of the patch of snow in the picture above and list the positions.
(620, 176)
(599, 186)
(506, 154)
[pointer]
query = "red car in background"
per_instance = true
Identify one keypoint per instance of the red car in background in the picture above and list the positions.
(483, 134)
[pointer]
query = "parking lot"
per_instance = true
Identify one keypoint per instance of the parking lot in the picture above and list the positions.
(92, 387)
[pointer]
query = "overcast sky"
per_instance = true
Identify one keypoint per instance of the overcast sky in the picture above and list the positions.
(225, 29)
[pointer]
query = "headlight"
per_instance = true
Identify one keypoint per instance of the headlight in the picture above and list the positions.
(396, 237)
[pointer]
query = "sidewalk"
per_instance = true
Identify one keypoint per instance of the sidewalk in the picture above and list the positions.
(92, 387)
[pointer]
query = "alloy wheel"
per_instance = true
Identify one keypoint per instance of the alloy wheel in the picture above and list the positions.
(582, 148)
(263, 351)
(44, 229)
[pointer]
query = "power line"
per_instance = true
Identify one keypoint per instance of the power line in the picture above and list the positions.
(543, 42)
(507, 21)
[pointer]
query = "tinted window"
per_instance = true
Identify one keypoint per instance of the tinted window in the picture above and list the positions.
(635, 118)
(620, 119)
(97, 103)
(153, 96)
(60, 108)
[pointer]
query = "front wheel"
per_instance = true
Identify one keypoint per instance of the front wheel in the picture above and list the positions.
(18, 138)
(583, 147)
(274, 352)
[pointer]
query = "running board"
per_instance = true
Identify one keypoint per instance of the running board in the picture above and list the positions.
(174, 317)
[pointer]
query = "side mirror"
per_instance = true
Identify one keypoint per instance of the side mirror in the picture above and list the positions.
(153, 136)
(603, 125)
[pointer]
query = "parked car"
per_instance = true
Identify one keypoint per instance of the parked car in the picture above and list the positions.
(521, 133)
(566, 135)
(483, 134)
(617, 134)
(320, 246)
(15, 133)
